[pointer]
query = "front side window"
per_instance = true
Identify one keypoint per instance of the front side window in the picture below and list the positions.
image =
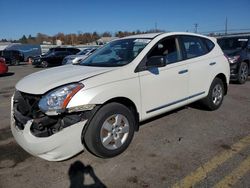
(193, 46)
(116, 53)
(169, 48)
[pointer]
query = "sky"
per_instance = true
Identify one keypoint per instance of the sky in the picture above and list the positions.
(28, 17)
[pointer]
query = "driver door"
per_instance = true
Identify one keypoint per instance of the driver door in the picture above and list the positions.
(164, 88)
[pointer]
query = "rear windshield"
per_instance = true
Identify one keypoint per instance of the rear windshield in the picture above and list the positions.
(234, 43)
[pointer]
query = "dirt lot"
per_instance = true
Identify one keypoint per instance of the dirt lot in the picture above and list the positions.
(185, 148)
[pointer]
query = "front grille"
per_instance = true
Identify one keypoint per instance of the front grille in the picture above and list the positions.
(26, 108)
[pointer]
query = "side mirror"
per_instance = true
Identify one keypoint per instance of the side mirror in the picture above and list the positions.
(156, 61)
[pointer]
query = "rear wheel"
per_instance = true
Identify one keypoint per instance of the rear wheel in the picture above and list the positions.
(215, 96)
(110, 131)
(243, 73)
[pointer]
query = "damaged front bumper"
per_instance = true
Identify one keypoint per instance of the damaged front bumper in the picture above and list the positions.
(56, 147)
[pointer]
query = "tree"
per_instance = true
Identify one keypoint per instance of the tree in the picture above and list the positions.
(106, 34)
(23, 40)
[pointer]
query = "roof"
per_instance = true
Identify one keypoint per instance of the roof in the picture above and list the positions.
(153, 35)
(234, 35)
(147, 35)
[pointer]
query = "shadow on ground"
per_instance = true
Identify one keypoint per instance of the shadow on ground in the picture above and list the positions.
(77, 173)
(7, 74)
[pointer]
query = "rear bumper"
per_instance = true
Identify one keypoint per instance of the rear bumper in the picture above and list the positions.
(59, 146)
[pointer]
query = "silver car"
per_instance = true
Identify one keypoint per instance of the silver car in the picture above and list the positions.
(74, 59)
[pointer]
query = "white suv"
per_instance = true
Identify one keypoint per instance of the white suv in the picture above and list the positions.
(99, 103)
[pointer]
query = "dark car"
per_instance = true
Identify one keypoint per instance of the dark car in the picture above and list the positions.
(3, 66)
(53, 57)
(12, 57)
(237, 48)
(62, 49)
(28, 50)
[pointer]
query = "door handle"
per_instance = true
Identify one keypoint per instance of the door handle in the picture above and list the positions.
(183, 71)
(213, 63)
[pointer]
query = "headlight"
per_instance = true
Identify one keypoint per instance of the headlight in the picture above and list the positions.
(233, 59)
(56, 101)
(75, 60)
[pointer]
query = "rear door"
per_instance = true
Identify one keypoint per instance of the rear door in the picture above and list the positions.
(199, 63)
(61, 56)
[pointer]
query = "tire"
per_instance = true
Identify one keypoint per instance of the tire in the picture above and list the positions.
(243, 73)
(110, 131)
(44, 64)
(215, 96)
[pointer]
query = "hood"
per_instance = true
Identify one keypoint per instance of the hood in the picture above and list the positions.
(43, 81)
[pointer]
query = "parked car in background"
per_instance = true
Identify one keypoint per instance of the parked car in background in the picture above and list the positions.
(74, 59)
(99, 103)
(63, 49)
(237, 48)
(3, 66)
(27, 50)
(53, 57)
(12, 57)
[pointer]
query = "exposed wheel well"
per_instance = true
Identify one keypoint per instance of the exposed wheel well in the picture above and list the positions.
(129, 104)
(224, 80)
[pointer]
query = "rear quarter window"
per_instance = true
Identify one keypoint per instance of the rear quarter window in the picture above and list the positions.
(209, 44)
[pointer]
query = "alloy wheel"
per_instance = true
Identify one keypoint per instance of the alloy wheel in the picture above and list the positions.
(114, 131)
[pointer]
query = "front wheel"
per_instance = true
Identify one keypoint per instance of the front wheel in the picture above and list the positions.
(243, 73)
(44, 64)
(110, 131)
(215, 96)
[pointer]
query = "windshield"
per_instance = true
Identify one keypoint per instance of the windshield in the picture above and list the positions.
(235, 43)
(48, 52)
(116, 53)
(83, 52)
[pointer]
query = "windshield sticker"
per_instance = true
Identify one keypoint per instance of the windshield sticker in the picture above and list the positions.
(242, 40)
(145, 41)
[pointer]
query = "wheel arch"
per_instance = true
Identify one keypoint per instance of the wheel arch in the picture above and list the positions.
(224, 80)
(129, 104)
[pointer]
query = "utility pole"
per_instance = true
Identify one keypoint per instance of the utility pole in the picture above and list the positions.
(226, 27)
(195, 27)
(155, 26)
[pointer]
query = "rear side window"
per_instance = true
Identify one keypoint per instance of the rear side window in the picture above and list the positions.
(193, 46)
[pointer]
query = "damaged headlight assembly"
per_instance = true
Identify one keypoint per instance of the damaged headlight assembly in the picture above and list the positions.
(56, 101)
